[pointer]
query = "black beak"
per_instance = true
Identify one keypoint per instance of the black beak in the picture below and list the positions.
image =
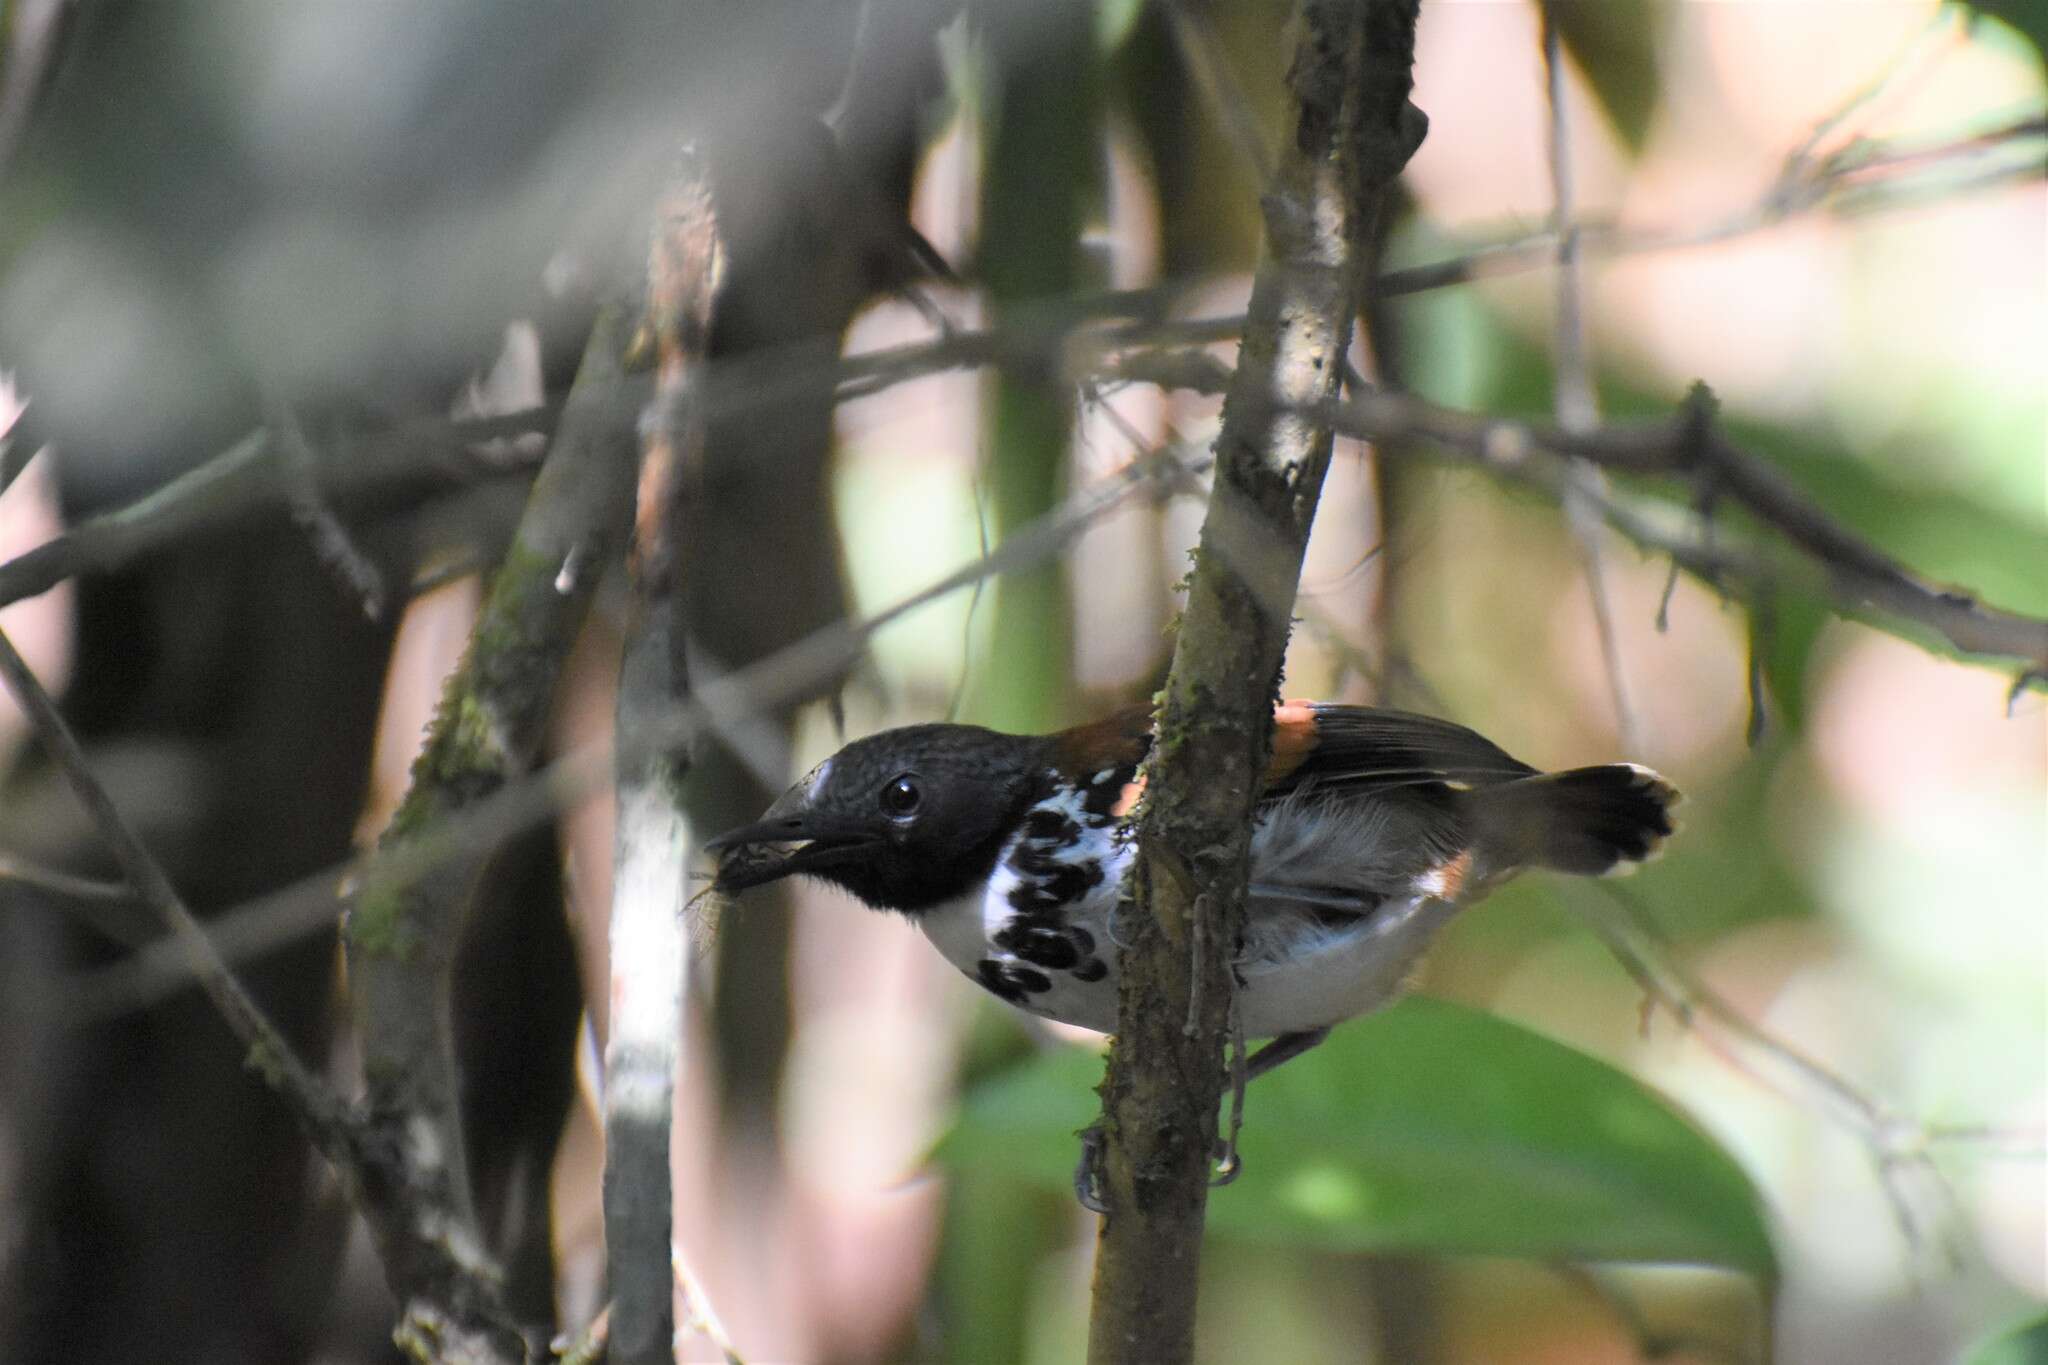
(756, 854)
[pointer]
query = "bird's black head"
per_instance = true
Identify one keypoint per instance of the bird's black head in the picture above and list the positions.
(904, 820)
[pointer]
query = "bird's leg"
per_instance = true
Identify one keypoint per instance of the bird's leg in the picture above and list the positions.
(1088, 1182)
(1226, 1164)
(1284, 1048)
(1088, 1171)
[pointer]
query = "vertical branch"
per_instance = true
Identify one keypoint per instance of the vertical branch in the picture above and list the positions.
(403, 925)
(1353, 130)
(651, 845)
(1577, 405)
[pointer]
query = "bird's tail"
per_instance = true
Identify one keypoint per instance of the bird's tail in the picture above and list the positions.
(1588, 821)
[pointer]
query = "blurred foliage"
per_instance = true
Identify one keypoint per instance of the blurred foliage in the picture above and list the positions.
(2022, 1343)
(1043, 166)
(2027, 17)
(1429, 1127)
(1614, 45)
(1947, 525)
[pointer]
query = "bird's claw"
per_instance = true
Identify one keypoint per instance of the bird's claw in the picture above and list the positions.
(1088, 1185)
(1088, 1179)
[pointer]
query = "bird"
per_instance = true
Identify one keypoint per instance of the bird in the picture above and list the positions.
(1373, 827)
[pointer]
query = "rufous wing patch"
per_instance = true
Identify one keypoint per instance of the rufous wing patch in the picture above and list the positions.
(1294, 739)
(1128, 802)
(1447, 878)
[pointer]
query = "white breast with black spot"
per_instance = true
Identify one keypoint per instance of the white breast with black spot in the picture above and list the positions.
(1036, 933)
(1339, 916)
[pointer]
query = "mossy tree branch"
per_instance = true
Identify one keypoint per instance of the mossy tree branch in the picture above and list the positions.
(401, 933)
(1352, 131)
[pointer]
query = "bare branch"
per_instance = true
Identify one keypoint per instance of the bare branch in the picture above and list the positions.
(651, 843)
(1353, 129)
(331, 542)
(703, 1319)
(1577, 404)
(240, 481)
(319, 1111)
(401, 931)
(1887, 78)
(1859, 577)
(1866, 177)
(1901, 1149)
(1209, 68)
(109, 908)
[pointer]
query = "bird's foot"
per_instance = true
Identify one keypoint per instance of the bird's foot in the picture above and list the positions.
(1225, 1165)
(1088, 1182)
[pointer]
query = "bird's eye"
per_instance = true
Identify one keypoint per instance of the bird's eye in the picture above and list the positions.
(902, 796)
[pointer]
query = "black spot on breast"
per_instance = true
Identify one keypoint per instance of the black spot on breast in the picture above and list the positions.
(1009, 981)
(1091, 969)
(997, 982)
(1029, 898)
(1050, 828)
(1046, 881)
(1030, 980)
(1069, 883)
(1083, 941)
(1034, 862)
(1048, 948)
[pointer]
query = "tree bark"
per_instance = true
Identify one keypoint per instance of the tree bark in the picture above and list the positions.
(1352, 131)
(402, 933)
(651, 842)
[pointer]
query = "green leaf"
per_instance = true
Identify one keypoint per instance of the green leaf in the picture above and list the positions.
(2024, 1342)
(1999, 554)
(1427, 1127)
(1614, 45)
(2028, 18)
(1795, 624)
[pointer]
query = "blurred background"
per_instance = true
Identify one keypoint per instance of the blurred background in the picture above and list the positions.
(363, 221)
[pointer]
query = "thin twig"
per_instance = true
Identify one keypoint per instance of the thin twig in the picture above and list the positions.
(1577, 404)
(1079, 329)
(17, 451)
(109, 908)
(320, 1112)
(703, 1318)
(1861, 578)
(959, 697)
(239, 481)
(1887, 77)
(1801, 186)
(1866, 179)
(1863, 158)
(331, 541)
(1209, 68)
(1900, 1148)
